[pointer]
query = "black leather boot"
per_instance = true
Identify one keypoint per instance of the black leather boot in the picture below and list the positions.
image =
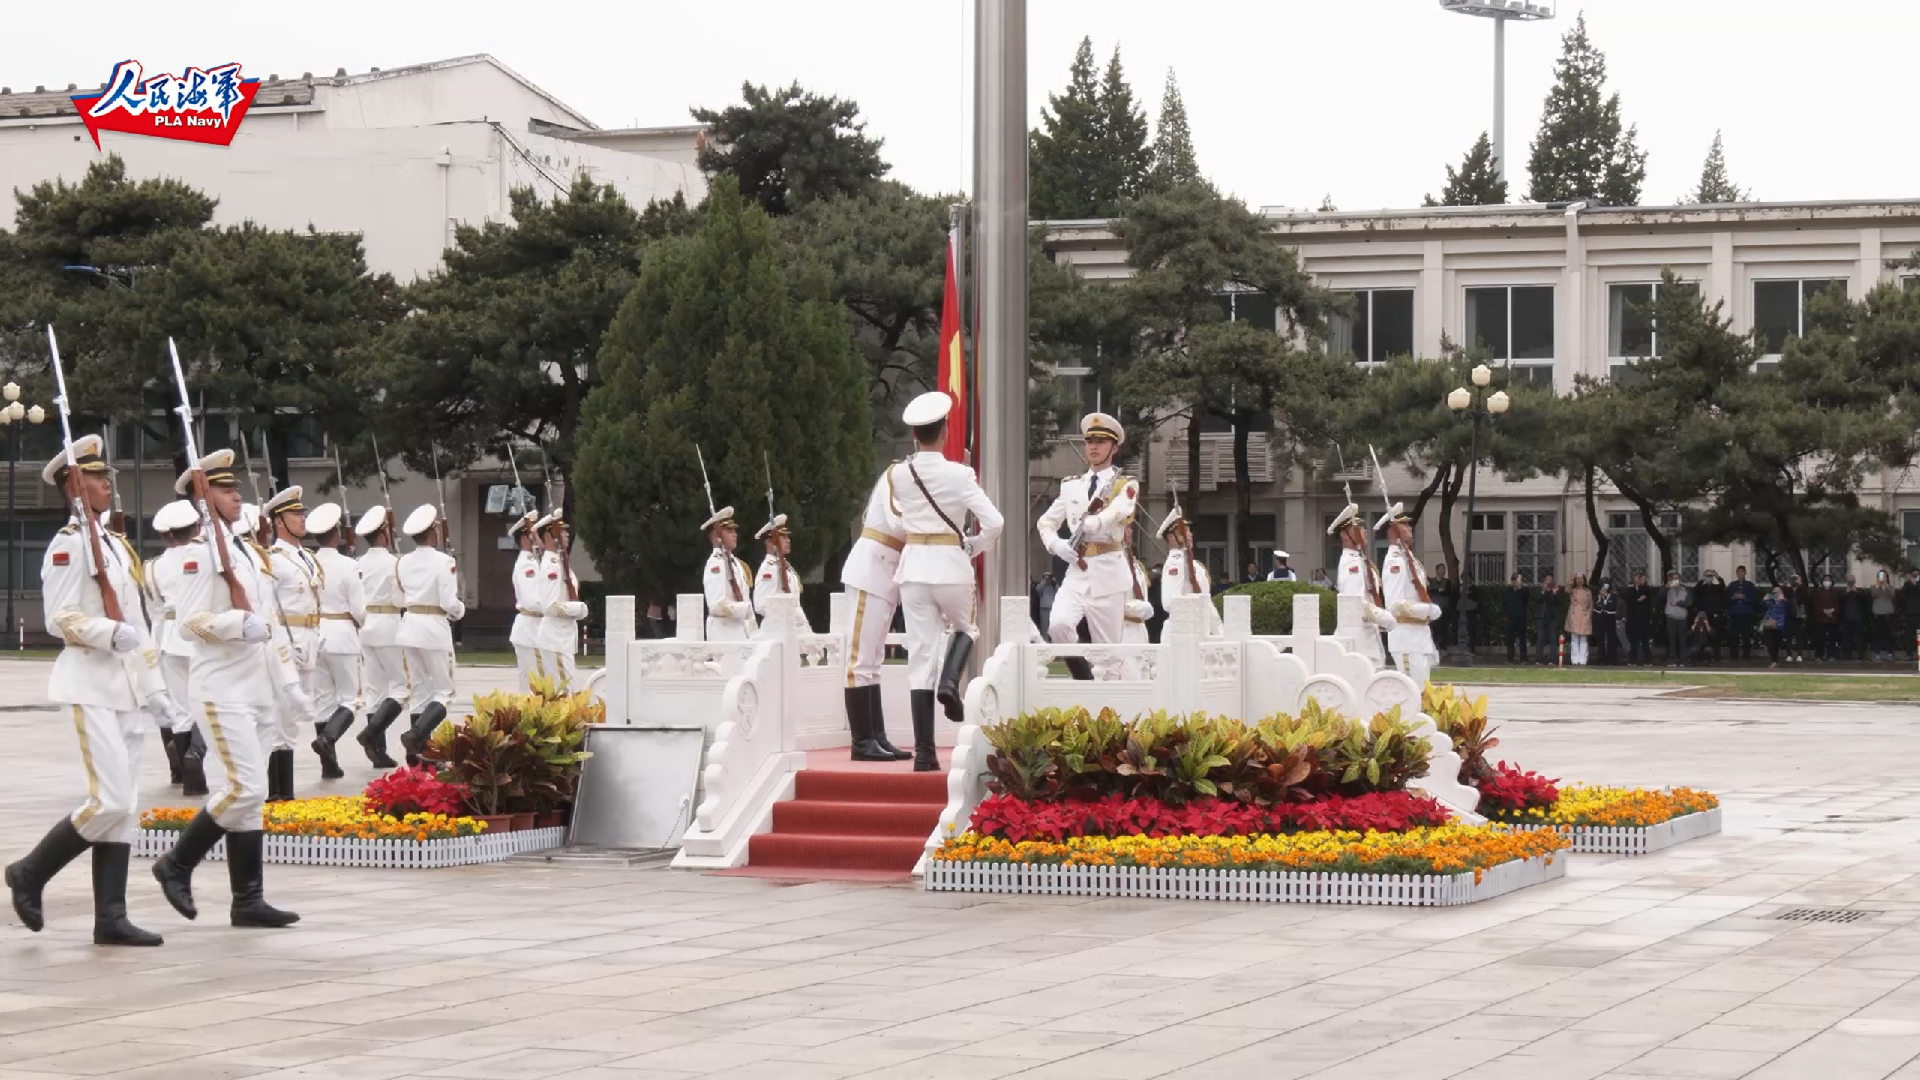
(245, 872)
(193, 763)
(420, 730)
(280, 776)
(952, 670)
(1078, 667)
(864, 748)
(174, 748)
(174, 870)
(326, 734)
(110, 925)
(62, 844)
(373, 737)
(925, 758)
(877, 723)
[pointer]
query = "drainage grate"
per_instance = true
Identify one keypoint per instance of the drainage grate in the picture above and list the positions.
(1826, 915)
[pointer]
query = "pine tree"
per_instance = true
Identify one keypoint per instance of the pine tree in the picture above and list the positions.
(725, 345)
(1123, 139)
(1715, 186)
(1063, 156)
(787, 146)
(1581, 152)
(1476, 183)
(1173, 157)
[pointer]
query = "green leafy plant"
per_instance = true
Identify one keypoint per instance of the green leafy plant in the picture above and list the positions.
(1273, 604)
(1026, 761)
(487, 753)
(1466, 723)
(1379, 755)
(1090, 748)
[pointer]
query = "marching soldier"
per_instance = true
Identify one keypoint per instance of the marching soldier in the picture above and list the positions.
(529, 586)
(776, 575)
(1404, 588)
(936, 569)
(1183, 574)
(430, 591)
(383, 666)
(1358, 576)
(1097, 506)
(868, 577)
(107, 674)
(559, 633)
(336, 669)
(729, 596)
(239, 670)
(296, 593)
(179, 524)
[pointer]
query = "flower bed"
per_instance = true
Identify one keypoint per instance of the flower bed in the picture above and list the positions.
(1623, 821)
(313, 850)
(340, 817)
(1009, 818)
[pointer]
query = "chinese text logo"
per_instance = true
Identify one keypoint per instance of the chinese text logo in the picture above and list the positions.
(205, 105)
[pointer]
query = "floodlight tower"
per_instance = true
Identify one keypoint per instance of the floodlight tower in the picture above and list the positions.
(1501, 12)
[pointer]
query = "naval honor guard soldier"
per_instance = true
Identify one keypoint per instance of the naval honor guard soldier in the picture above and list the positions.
(1404, 586)
(776, 575)
(336, 669)
(383, 667)
(726, 581)
(1097, 507)
(529, 586)
(1356, 575)
(179, 524)
(1183, 574)
(559, 634)
(107, 674)
(239, 670)
(868, 578)
(936, 569)
(296, 592)
(430, 591)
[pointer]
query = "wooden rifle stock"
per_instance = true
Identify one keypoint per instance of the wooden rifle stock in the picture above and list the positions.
(90, 525)
(218, 535)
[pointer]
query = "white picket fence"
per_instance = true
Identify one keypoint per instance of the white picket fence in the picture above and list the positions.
(1254, 886)
(373, 854)
(1638, 840)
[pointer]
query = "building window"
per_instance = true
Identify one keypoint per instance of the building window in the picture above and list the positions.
(1535, 545)
(1487, 568)
(1380, 328)
(1250, 307)
(1780, 312)
(1910, 532)
(1823, 565)
(1630, 331)
(1514, 323)
(24, 551)
(1630, 550)
(1495, 521)
(1210, 547)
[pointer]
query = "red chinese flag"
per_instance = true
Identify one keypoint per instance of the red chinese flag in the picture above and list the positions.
(953, 363)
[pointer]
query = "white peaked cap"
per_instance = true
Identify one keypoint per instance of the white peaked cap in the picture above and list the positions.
(525, 521)
(1277, 553)
(1100, 424)
(930, 407)
(1174, 517)
(323, 518)
(86, 451)
(1352, 511)
(1396, 512)
(540, 525)
(722, 516)
(779, 522)
(372, 521)
(287, 499)
(421, 519)
(178, 514)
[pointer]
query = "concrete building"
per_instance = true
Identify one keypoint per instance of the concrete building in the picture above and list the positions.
(1550, 292)
(402, 157)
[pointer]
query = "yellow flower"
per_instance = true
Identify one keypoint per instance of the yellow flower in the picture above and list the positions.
(1445, 849)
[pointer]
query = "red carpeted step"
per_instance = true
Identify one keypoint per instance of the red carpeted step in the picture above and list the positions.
(822, 818)
(870, 786)
(835, 852)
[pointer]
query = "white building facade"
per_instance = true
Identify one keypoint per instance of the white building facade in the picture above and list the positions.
(1550, 293)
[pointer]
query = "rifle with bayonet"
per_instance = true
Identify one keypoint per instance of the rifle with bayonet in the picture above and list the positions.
(784, 569)
(1413, 567)
(386, 496)
(215, 530)
(89, 524)
(1193, 576)
(440, 486)
(346, 514)
(733, 579)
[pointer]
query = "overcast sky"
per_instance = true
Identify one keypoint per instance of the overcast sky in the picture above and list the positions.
(1289, 100)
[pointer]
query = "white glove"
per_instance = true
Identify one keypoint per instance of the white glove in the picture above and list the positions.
(167, 715)
(253, 628)
(1062, 550)
(297, 700)
(1140, 610)
(967, 546)
(126, 637)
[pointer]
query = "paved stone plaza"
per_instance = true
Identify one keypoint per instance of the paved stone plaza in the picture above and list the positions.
(1669, 965)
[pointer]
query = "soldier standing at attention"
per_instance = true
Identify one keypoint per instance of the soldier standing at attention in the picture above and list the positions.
(238, 671)
(430, 591)
(1184, 575)
(106, 675)
(336, 671)
(936, 569)
(726, 581)
(1097, 507)
(1357, 576)
(559, 633)
(776, 576)
(179, 524)
(383, 666)
(529, 586)
(868, 577)
(1404, 586)
(296, 592)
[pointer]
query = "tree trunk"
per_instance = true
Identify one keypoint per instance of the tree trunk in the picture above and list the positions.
(1243, 485)
(1449, 494)
(1600, 541)
(1433, 485)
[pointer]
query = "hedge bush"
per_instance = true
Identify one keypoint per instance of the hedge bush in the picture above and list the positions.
(1273, 604)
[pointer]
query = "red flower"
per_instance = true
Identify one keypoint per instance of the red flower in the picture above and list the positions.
(415, 791)
(1510, 788)
(1015, 819)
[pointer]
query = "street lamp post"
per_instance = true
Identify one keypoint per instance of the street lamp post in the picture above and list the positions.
(1477, 410)
(1500, 11)
(11, 414)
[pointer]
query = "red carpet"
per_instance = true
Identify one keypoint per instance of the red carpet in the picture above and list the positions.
(848, 816)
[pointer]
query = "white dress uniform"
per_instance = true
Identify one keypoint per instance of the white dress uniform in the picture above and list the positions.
(1174, 579)
(559, 634)
(1098, 593)
(728, 585)
(528, 588)
(935, 574)
(430, 591)
(343, 607)
(1357, 576)
(1411, 641)
(166, 582)
(296, 592)
(767, 583)
(868, 574)
(383, 665)
(1139, 609)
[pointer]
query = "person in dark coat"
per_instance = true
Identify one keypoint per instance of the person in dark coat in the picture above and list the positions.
(1854, 604)
(1910, 611)
(1606, 623)
(1513, 605)
(1710, 599)
(1825, 605)
(1550, 613)
(1743, 609)
(1642, 604)
(1446, 594)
